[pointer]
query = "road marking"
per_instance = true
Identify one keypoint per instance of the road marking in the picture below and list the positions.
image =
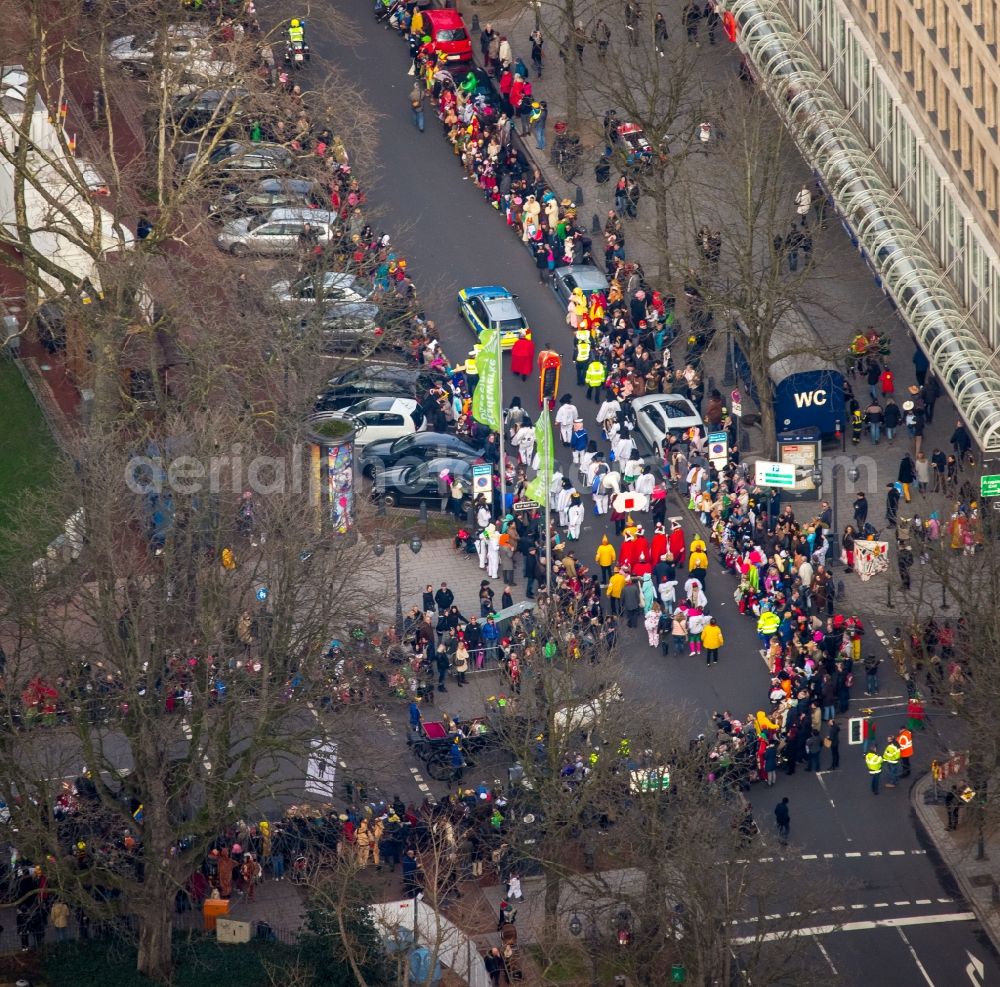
(852, 854)
(858, 907)
(916, 959)
(874, 853)
(826, 956)
(897, 853)
(838, 908)
(900, 904)
(975, 971)
(809, 856)
(922, 901)
(861, 926)
(881, 904)
(946, 901)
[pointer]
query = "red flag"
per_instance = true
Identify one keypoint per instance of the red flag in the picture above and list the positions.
(729, 25)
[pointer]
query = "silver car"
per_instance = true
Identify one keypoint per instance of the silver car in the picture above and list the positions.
(331, 286)
(278, 233)
(583, 276)
(187, 48)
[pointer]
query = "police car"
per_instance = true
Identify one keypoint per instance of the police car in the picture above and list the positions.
(493, 307)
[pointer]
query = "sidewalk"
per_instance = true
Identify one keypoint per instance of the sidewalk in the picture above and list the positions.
(976, 878)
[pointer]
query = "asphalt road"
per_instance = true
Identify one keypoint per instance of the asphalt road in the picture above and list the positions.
(902, 916)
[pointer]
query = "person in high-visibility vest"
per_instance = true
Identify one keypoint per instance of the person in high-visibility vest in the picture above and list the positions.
(873, 761)
(891, 758)
(581, 356)
(904, 741)
(594, 379)
(472, 371)
(296, 31)
(767, 626)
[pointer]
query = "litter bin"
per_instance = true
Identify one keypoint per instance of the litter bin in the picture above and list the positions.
(213, 909)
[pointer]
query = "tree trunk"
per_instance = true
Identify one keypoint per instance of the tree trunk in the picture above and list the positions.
(662, 244)
(155, 945)
(572, 71)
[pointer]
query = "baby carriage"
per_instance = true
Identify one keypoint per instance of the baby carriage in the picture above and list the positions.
(300, 870)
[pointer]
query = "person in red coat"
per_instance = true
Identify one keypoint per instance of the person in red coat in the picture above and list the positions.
(678, 546)
(659, 544)
(641, 566)
(641, 545)
(627, 553)
(522, 357)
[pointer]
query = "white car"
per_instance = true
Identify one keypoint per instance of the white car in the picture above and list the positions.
(379, 418)
(658, 415)
(330, 287)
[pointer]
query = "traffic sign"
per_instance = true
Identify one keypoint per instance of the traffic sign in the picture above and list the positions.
(989, 486)
(737, 409)
(718, 446)
(482, 479)
(735, 396)
(767, 474)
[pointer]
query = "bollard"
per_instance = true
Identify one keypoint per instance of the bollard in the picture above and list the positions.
(475, 23)
(578, 197)
(595, 224)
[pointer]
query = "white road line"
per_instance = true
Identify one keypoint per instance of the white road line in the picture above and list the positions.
(862, 926)
(858, 907)
(852, 854)
(922, 901)
(901, 904)
(826, 956)
(838, 908)
(916, 959)
(829, 856)
(946, 901)
(423, 788)
(897, 853)
(874, 853)
(881, 904)
(809, 856)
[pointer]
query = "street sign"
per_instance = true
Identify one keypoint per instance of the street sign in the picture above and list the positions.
(989, 486)
(527, 505)
(737, 409)
(482, 480)
(735, 396)
(718, 447)
(768, 474)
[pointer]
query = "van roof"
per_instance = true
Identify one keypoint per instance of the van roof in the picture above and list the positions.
(309, 215)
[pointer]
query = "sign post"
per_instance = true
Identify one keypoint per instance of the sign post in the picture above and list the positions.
(718, 449)
(736, 407)
(482, 482)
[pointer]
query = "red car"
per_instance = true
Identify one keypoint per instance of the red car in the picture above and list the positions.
(447, 32)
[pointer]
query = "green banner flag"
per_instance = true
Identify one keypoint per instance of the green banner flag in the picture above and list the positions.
(486, 400)
(538, 489)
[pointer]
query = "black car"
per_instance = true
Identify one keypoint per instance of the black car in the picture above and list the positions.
(418, 447)
(411, 483)
(394, 379)
(265, 195)
(196, 111)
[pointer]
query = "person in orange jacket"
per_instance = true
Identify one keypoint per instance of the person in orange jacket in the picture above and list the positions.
(904, 741)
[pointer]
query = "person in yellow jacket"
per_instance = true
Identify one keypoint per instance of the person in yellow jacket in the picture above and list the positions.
(767, 626)
(873, 761)
(616, 586)
(711, 641)
(606, 557)
(698, 561)
(890, 757)
(594, 379)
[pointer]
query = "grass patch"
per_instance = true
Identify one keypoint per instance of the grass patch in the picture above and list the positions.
(27, 449)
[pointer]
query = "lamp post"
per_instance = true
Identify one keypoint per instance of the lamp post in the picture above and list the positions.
(379, 549)
(592, 941)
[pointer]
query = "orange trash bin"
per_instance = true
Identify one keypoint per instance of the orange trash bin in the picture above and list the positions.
(212, 909)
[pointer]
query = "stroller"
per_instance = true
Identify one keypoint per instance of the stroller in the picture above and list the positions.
(300, 870)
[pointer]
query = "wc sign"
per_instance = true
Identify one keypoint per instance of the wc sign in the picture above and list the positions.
(810, 399)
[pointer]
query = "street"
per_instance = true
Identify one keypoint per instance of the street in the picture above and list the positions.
(901, 917)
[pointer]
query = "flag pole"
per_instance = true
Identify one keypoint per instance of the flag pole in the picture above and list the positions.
(503, 457)
(547, 484)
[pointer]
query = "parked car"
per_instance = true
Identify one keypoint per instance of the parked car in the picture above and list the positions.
(380, 419)
(377, 379)
(419, 447)
(241, 159)
(265, 195)
(448, 34)
(411, 483)
(277, 233)
(187, 49)
(331, 286)
(493, 307)
(659, 414)
(202, 108)
(349, 327)
(584, 276)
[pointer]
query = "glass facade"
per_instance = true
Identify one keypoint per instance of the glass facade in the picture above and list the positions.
(887, 181)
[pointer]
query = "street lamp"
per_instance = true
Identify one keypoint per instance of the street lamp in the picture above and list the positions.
(379, 549)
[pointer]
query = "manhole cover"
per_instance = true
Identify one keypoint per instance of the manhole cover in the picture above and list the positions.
(981, 880)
